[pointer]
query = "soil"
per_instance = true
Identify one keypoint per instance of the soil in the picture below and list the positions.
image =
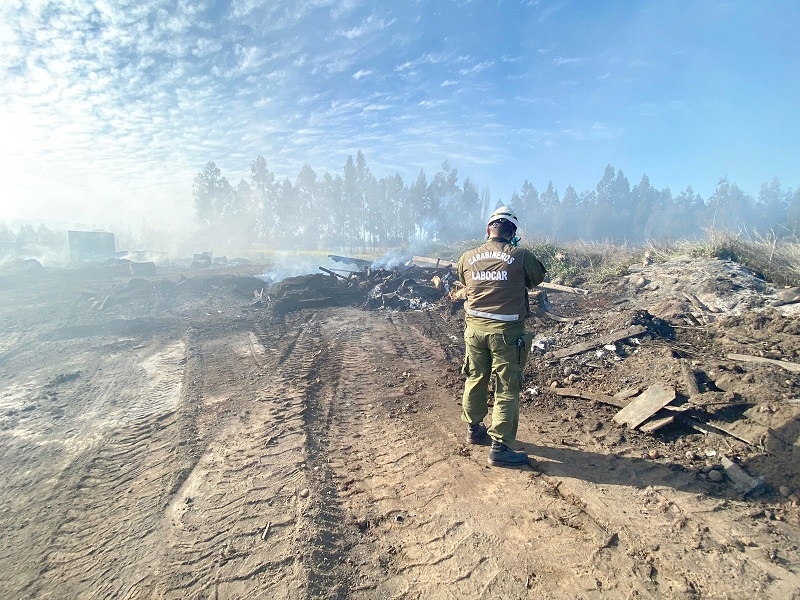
(175, 437)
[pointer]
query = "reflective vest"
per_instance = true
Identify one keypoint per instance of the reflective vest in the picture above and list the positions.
(494, 275)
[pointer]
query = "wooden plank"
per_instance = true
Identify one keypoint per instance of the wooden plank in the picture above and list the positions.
(329, 272)
(743, 430)
(656, 397)
(627, 393)
(689, 378)
(595, 397)
(789, 366)
(656, 424)
(556, 318)
(436, 263)
(601, 341)
(555, 287)
(358, 262)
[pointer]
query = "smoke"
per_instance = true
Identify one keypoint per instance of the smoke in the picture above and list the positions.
(392, 259)
(292, 264)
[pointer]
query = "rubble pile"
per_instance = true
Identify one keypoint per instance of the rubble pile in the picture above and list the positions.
(414, 285)
(697, 359)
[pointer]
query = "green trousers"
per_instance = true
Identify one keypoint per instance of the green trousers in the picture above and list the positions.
(501, 355)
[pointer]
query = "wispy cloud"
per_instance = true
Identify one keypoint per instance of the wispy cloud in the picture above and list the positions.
(368, 26)
(551, 9)
(476, 68)
(562, 60)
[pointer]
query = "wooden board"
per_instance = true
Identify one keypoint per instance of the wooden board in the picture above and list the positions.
(789, 366)
(555, 287)
(641, 408)
(656, 424)
(602, 398)
(436, 263)
(689, 378)
(601, 341)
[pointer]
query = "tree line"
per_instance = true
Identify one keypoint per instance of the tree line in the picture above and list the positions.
(356, 209)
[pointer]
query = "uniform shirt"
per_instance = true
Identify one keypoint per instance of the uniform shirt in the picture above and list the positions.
(497, 276)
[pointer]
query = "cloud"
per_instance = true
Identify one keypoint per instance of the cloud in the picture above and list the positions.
(368, 26)
(549, 11)
(432, 103)
(476, 68)
(561, 60)
(596, 131)
(361, 73)
(425, 59)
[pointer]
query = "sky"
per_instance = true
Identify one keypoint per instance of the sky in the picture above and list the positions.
(110, 108)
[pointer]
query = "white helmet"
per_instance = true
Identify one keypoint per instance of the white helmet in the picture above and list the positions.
(503, 212)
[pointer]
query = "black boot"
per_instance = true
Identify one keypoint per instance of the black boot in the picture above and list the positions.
(476, 433)
(502, 456)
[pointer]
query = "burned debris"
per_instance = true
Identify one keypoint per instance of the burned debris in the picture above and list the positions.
(415, 284)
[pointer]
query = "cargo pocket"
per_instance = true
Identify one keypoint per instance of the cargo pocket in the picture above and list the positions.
(465, 368)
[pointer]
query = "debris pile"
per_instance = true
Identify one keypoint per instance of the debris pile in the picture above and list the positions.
(684, 351)
(417, 284)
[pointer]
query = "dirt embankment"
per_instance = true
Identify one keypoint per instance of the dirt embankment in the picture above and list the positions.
(169, 438)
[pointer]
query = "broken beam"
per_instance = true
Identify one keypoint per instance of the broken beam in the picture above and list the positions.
(329, 272)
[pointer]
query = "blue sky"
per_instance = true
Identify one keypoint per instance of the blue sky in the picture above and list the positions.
(108, 109)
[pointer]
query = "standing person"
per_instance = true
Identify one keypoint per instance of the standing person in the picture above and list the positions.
(497, 276)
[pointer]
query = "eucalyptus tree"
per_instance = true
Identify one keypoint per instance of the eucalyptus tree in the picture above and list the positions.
(212, 193)
(262, 183)
(305, 218)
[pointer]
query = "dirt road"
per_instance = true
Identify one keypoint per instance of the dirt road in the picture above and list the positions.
(167, 439)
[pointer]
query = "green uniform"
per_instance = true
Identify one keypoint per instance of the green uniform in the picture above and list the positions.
(497, 276)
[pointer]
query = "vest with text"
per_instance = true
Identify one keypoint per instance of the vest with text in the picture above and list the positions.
(494, 274)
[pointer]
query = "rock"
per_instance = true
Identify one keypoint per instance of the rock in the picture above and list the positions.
(785, 491)
(654, 454)
(304, 493)
(716, 476)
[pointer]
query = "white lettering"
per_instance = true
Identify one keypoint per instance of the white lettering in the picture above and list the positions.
(493, 254)
(489, 275)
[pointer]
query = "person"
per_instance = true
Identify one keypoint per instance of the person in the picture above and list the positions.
(497, 276)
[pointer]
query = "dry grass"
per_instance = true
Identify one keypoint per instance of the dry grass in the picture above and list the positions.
(777, 260)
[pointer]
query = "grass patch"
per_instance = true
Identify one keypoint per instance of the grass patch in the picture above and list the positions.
(776, 260)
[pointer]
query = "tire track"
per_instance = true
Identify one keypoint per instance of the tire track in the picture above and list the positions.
(377, 459)
(233, 528)
(417, 509)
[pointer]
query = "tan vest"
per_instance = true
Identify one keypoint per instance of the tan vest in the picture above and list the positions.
(495, 278)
